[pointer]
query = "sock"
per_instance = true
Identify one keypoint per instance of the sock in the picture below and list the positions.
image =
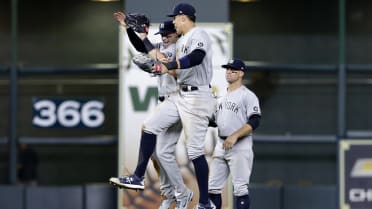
(242, 202)
(216, 199)
(201, 172)
(147, 147)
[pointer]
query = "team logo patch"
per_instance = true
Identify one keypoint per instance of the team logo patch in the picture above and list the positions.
(255, 108)
(200, 44)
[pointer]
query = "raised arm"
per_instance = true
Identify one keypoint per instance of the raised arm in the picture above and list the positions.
(133, 37)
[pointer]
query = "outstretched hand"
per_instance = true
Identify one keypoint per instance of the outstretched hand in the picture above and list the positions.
(120, 17)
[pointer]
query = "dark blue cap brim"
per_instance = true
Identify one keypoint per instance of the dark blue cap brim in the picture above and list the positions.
(232, 67)
(164, 32)
(173, 15)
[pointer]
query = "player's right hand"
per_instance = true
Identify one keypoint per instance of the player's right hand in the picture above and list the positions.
(164, 59)
(159, 68)
(229, 142)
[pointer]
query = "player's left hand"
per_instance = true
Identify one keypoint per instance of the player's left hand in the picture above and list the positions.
(120, 17)
(229, 142)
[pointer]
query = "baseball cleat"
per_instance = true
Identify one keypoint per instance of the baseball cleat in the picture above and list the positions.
(183, 202)
(112, 180)
(210, 205)
(129, 182)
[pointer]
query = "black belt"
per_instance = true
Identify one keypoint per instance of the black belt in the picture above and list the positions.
(223, 137)
(161, 98)
(189, 88)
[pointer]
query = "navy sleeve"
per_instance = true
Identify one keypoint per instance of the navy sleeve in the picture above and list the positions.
(194, 58)
(136, 41)
(254, 121)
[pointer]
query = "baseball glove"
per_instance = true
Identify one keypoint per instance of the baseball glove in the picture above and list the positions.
(147, 64)
(138, 22)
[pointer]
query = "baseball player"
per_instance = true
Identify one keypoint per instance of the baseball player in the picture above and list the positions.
(194, 104)
(171, 189)
(238, 114)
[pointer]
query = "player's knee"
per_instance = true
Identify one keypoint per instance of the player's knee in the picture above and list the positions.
(151, 130)
(215, 187)
(194, 153)
(240, 190)
(146, 127)
(214, 191)
(143, 127)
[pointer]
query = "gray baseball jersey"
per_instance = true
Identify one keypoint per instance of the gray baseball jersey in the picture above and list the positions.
(233, 111)
(199, 75)
(194, 107)
(167, 84)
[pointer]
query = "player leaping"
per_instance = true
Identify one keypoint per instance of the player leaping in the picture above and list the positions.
(172, 189)
(194, 104)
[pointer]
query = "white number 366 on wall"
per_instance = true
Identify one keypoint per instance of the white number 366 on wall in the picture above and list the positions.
(68, 113)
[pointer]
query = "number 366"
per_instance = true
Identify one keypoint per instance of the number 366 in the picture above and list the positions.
(68, 113)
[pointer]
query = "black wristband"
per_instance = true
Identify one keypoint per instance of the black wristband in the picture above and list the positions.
(148, 44)
(171, 65)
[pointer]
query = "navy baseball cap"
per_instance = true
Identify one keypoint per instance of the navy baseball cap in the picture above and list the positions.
(166, 28)
(183, 9)
(235, 64)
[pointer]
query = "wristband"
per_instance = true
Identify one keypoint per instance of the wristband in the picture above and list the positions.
(171, 65)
